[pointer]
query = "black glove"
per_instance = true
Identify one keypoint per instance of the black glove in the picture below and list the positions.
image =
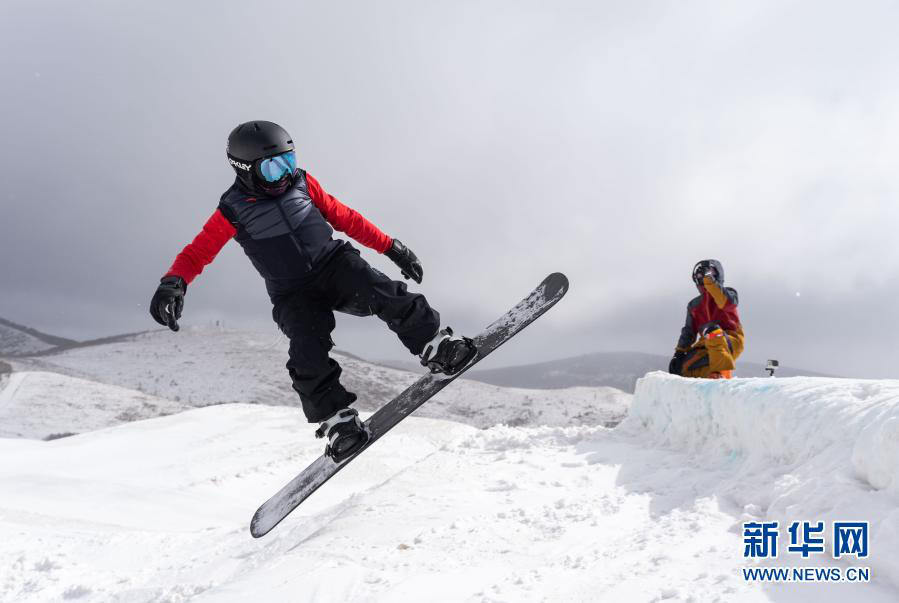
(403, 257)
(165, 308)
(675, 366)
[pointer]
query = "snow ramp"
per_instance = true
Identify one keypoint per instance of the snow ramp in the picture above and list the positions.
(649, 511)
(796, 449)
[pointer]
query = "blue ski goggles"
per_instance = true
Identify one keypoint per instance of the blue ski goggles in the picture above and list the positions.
(273, 169)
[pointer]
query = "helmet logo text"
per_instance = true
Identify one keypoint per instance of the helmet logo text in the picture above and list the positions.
(243, 166)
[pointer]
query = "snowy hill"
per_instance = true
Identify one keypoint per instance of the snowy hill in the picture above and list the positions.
(42, 405)
(205, 366)
(158, 510)
(17, 340)
(620, 370)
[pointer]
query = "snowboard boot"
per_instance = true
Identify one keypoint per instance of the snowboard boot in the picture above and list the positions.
(448, 354)
(346, 434)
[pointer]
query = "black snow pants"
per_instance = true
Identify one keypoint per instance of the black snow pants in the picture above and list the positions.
(348, 284)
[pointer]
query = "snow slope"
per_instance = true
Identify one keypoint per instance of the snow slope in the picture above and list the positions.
(204, 366)
(158, 510)
(40, 405)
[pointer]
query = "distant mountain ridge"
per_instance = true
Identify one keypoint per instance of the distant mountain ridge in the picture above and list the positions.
(16, 339)
(203, 366)
(600, 369)
(19, 340)
(46, 338)
(614, 369)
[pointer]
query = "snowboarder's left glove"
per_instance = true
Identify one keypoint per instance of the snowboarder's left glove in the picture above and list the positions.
(165, 308)
(403, 257)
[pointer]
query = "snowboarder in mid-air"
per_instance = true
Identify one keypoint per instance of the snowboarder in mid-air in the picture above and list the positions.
(284, 219)
(712, 337)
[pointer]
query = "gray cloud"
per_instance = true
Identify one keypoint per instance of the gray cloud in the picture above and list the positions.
(618, 142)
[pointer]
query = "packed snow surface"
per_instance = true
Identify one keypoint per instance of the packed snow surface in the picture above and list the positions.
(158, 510)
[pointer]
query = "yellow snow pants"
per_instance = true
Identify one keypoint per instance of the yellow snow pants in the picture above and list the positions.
(714, 354)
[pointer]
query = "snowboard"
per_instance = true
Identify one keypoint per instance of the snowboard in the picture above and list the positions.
(541, 299)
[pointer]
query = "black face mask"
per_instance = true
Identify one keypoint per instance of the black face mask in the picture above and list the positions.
(256, 185)
(273, 189)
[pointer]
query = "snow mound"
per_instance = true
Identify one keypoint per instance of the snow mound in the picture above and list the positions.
(44, 405)
(796, 449)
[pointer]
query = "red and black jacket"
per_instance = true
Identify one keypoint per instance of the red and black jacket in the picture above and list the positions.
(286, 237)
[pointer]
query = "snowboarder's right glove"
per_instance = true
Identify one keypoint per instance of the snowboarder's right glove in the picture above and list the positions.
(676, 365)
(165, 308)
(403, 257)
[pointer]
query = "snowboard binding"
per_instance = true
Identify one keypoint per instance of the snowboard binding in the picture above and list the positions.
(448, 354)
(346, 434)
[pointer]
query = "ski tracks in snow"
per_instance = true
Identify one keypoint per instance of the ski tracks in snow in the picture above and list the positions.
(532, 514)
(13, 383)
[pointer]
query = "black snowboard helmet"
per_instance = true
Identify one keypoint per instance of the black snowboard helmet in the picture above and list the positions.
(250, 145)
(704, 266)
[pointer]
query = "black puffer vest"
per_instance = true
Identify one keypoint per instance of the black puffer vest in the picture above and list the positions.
(285, 237)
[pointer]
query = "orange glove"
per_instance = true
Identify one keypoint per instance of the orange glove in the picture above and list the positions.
(714, 289)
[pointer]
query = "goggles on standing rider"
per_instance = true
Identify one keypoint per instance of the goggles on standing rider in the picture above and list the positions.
(273, 169)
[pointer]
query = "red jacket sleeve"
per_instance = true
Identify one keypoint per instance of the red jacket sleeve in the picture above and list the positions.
(346, 219)
(202, 250)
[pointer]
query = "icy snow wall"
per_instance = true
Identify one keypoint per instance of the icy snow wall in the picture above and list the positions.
(796, 449)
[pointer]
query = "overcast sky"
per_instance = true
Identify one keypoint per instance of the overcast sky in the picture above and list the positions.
(618, 142)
